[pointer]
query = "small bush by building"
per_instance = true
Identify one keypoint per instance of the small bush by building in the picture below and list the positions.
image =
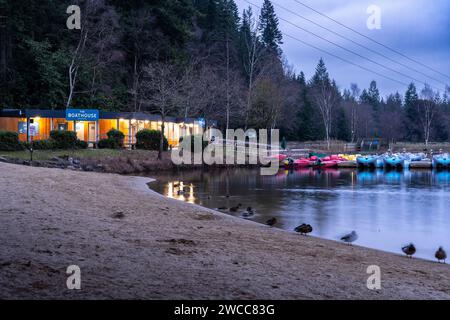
(64, 139)
(149, 140)
(117, 136)
(114, 141)
(9, 141)
(108, 144)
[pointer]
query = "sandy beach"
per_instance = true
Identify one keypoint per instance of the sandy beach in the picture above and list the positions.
(167, 249)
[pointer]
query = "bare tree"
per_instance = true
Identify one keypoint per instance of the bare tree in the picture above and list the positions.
(326, 96)
(355, 94)
(78, 53)
(98, 22)
(160, 87)
(253, 50)
(266, 105)
(427, 110)
(103, 48)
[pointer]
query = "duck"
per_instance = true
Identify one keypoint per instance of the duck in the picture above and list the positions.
(304, 229)
(409, 250)
(248, 213)
(235, 209)
(271, 222)
(351, 237)
(441, 254)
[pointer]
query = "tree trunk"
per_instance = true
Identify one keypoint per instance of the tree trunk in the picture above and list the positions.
(161, 139)
(228, 86)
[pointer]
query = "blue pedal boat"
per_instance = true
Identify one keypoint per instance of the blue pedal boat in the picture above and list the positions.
(441, 161)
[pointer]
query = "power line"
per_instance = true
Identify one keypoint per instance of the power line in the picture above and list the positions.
(343, 48)
(345, 60)
(373, 40)
(359, 44)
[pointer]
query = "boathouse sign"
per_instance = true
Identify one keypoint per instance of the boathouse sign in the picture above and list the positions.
(82, 115)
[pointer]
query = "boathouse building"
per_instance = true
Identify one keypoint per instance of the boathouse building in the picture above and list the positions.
(91, 125)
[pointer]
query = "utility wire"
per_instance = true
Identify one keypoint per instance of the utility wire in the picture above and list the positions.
(345, 49)
(373, 40)
(345, 60)
(359, 44)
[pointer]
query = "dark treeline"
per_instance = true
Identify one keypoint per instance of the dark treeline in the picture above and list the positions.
(194, 58)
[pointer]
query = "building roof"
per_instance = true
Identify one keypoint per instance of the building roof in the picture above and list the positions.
(46, 113)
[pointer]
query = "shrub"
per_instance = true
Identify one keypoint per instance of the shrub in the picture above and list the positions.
(42, 145)
(108, 144)
(82, 144)
(25, 145)
(117, 136)
(64, 139)
(149, 140)
(114, 140)
(9, 141)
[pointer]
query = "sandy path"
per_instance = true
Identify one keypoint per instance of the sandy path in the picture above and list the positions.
(166, 249)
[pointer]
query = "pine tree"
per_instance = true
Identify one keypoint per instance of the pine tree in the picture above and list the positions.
(272, 37)
(413, 132)
(306, 120)
(342, 128)
(321, 76)
(371, 96)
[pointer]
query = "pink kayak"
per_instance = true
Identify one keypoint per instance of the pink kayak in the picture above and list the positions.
(303, 163)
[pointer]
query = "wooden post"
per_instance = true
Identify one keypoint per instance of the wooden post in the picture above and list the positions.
(28, 129)
(130, 139)
(96, 131)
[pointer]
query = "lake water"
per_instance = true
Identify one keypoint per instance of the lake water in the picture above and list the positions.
(387, 209)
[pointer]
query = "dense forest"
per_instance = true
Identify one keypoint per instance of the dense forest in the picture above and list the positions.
(195, 58)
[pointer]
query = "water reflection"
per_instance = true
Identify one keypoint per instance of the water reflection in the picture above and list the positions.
(387, 209)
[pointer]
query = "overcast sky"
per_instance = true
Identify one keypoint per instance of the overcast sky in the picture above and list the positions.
(420, 29)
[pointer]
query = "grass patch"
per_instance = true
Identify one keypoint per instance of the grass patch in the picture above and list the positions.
(49, 154)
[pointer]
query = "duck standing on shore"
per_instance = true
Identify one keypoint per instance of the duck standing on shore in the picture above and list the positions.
(248, 213)
(235, 209)
(409, 250)
(441, 254)
(351, 237)
(304, 229)
(271, 222)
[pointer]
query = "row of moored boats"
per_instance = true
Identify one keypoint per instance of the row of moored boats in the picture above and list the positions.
(387, 160)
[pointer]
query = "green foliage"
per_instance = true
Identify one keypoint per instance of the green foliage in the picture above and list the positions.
(117, 136)
(114, 141)
(272, 37)
(150, 140)
(82, 144)
(321, 75)
(9, 141)
(42, 145)
(51, 67)
(309, 126)
(64, 139)
(108, 144)
(343, 132)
